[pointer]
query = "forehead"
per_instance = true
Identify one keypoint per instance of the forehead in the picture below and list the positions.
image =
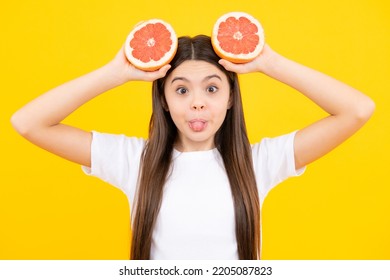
(196, 69)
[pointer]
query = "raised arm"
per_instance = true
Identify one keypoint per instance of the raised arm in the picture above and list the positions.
(348, 108)
(40, 120)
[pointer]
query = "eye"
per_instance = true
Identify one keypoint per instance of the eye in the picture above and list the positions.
(181, 90)
(212, 89)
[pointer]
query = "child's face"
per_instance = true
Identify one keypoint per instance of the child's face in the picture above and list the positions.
(198, 97)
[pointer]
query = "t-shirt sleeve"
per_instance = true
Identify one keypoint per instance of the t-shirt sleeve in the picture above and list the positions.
(115, 159)
(273, 160)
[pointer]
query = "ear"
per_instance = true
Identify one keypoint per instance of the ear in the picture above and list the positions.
(230, 103)
(164, 103)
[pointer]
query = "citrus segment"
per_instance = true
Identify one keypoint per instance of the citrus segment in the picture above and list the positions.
(151, 45)
(237, 37)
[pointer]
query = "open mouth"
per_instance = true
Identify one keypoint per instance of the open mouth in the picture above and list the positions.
(197, 125)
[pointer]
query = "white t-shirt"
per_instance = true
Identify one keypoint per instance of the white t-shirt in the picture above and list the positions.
(196, 218)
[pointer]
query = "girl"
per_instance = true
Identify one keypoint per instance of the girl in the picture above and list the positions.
(196, 185)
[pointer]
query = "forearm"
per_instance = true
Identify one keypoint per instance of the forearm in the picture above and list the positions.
(348, 108)
(40, 120)
(54, 106)
(331, 95)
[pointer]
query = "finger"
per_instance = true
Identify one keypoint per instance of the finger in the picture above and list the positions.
(163, 70)
(226, 64)
(232, 67)
(151, 76)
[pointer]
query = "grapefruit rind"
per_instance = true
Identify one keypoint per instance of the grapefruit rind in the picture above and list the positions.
(151, 65)
(242, 57)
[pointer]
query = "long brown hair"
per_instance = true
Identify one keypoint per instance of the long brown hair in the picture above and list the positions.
(232, 142)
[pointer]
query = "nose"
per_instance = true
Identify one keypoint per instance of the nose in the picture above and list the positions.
(197, 102)
(197, 107)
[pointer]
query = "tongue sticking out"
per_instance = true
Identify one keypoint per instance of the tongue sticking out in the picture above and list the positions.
(197, 125)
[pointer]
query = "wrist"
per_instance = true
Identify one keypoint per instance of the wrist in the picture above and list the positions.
(116, 74)
(270, 61)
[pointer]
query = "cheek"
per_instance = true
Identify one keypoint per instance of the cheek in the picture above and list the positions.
(222, 115)
(221, 106)
(172, 101)
(176, 111)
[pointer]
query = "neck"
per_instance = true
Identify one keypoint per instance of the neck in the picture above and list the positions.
(193, 147)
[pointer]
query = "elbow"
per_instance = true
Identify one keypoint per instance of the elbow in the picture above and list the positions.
(366, 110)
(20, 124)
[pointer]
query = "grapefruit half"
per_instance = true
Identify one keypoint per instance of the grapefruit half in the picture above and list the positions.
(237, 37)
(151, 45)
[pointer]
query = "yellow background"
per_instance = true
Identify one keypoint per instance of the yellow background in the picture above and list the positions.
(339, 209)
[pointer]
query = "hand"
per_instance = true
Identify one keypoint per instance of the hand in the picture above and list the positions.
(259, 64)
(125, 71)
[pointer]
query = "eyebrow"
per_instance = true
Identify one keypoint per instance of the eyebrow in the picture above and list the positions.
(205, 79)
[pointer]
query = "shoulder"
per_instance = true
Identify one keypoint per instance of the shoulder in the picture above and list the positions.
(120, 149)
(115, 158)
(273, 161)
(274, 145)
(117, 141)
